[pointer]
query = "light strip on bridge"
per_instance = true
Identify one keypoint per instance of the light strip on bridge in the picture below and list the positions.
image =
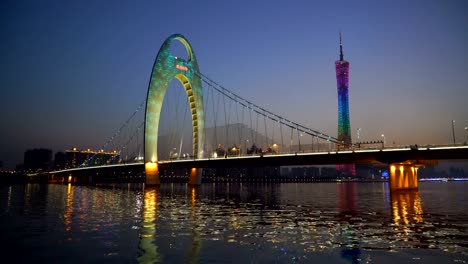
(398, 149)
(207, 159)
(436, 148)
(313, 153)
(367, 150)
(280, 155)
(95, 167)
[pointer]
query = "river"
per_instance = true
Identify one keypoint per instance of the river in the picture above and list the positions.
(353, 222)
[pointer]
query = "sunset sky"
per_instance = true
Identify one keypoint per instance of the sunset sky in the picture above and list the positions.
(72, 71)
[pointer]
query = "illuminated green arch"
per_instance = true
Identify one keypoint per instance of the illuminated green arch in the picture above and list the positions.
(167, 67)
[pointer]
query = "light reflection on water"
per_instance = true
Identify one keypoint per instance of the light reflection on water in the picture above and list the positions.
(148, 228)
(225, 223)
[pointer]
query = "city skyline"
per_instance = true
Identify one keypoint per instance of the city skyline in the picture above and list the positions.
(72, 73)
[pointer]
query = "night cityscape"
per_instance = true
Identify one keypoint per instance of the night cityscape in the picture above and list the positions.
(223, 132)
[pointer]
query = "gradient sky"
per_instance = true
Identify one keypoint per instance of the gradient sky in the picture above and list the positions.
(72, 71)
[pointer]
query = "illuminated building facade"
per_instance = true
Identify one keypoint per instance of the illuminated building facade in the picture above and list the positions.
(37, 160)
(75, 158)
(344, 127)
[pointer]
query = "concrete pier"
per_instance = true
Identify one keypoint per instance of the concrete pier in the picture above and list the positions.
(195, 176)
(152, 173)
(403, 177)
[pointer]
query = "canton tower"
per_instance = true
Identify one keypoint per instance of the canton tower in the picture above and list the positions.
(344, 128)
(342, 76)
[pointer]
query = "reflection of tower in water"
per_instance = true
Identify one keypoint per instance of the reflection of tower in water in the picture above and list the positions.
(347, 211)
(347, 194)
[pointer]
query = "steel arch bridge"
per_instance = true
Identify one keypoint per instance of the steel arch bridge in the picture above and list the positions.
(167, 67)
(403, 161)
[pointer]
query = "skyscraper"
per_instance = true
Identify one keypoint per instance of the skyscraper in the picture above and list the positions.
(344, 127)
(342, 77)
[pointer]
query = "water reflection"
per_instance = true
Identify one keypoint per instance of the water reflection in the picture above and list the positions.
(69, 208)
(194, 251)
(406, 208)
(9, 199)
(185, 216)
(245, 223)
(347, 200)
(350, 247)
(149, 250)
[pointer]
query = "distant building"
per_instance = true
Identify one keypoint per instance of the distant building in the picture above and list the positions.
(311, 172)
(328, 172)
(37, 160)
(60, 160)
(302, 172)
(371, 171)
(76, 158)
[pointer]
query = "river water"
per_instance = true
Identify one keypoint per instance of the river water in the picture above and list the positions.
(235, 223)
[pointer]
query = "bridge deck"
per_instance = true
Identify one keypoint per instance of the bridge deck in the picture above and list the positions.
(416, 156)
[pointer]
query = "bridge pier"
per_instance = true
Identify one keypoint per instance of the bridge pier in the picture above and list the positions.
(195, 176)
(152, 173)
(403, 177)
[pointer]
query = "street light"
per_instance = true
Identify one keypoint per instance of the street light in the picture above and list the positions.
(299, 139)
(245, 143)
(453, 131)
(383, 139)
(275, 148)
(466, 130)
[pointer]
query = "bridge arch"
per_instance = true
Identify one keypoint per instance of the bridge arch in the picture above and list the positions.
(167, 67)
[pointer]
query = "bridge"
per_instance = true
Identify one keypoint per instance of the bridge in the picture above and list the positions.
(244, 123)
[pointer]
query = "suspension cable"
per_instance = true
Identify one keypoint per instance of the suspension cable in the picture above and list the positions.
(259, 110)
(140, 106)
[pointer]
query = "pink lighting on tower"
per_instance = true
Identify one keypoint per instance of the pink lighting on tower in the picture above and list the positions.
(344, 127)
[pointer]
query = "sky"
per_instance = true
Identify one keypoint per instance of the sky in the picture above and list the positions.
(72, 71)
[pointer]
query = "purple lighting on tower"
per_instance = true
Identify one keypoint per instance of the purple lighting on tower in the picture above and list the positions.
(342, 76)
(344, 127)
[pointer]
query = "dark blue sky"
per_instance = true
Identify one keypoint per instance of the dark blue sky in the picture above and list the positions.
(72, 71)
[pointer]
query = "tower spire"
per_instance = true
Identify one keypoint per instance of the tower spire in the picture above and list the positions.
(341, 49)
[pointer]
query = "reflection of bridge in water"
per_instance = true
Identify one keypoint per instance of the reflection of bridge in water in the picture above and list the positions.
(279, 133)
(177, 223)
(314, 218)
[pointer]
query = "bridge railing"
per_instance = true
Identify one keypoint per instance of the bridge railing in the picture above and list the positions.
(332, 150)
(279, 153)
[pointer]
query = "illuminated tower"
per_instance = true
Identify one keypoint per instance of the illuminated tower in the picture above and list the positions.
(344, 128)
(342, 76)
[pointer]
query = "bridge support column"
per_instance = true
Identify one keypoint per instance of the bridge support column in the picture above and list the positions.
(195, 176)
(152, 173)
(403, 177)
